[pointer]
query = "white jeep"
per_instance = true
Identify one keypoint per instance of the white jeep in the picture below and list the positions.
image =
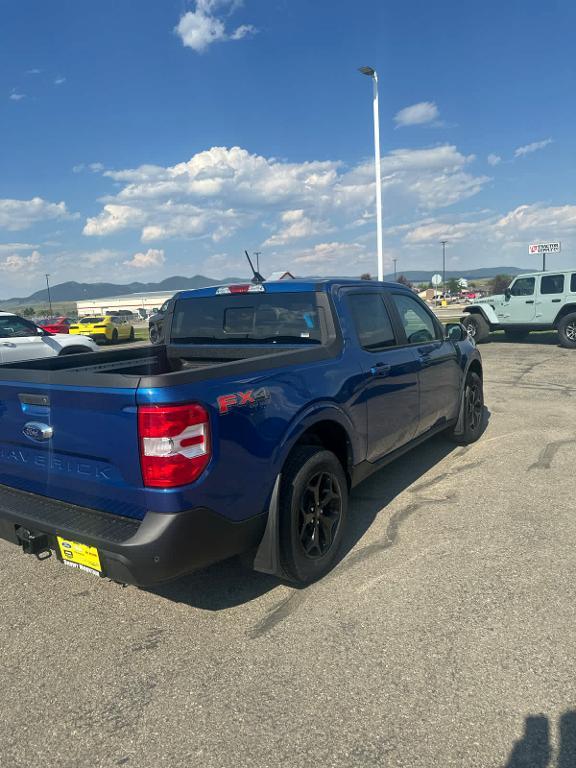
(540, 301)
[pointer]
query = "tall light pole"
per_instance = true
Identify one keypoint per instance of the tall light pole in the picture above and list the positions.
(444, 266)
(257, 254)
(370, 72)
(49, 298)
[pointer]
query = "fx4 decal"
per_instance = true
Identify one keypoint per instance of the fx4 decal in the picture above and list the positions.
(238, 399)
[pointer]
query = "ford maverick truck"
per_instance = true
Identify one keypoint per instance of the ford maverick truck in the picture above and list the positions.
(243, 433)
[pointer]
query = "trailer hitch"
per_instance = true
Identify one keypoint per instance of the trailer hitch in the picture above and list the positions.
(34, 542)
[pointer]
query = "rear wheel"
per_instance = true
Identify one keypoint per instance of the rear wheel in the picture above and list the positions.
(114, 336)
(131, 337)
(478, 329)
(313, 510)
(567, 331)
(472, 411)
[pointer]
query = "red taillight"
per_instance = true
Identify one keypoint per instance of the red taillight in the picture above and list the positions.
(174, 444)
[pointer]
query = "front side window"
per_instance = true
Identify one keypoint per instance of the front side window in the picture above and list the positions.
(524, 286)
(371, 321)
(573, 283)
(418, 324)
(552, 284)
(12, 326)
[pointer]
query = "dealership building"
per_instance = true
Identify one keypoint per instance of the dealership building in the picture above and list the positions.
(135, 302)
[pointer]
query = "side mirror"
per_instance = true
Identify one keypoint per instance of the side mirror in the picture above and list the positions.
(507, 293)
(456, 332)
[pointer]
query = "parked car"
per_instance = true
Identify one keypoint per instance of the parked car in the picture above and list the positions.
(20, 339)
(243, 433)
(57, 325)
(156, 324)
(540, 301)
(110, 328)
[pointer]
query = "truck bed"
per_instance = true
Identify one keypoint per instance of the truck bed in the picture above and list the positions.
(153, 366)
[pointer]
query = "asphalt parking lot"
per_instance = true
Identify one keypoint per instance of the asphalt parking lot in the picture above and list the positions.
(445, 637)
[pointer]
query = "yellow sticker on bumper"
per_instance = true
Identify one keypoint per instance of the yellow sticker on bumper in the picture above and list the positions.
(79, 555)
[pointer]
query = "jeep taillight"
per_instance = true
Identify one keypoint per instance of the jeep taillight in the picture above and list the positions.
(174, 444)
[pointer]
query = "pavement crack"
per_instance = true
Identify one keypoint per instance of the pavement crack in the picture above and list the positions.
(548, 453)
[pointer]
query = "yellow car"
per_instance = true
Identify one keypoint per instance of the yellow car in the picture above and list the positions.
(110, 328)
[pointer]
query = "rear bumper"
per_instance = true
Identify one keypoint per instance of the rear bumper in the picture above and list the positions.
(142, 552)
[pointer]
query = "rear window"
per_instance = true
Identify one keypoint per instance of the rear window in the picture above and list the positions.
(573, 283)
(91, 320)
(552, 284)
(281, 318)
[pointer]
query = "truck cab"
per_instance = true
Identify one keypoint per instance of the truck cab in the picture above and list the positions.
(536, 301)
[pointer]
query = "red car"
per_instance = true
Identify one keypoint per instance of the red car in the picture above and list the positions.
(57, 325)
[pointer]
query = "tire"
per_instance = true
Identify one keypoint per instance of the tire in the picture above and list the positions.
(311, 533)
(115, 336)
(131, 337)
(473, 414)
(567, 331)
(74, 351)
(515, 335)
(153, 334)
(478, 329)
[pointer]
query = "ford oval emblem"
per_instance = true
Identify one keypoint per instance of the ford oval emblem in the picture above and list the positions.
(38, 432)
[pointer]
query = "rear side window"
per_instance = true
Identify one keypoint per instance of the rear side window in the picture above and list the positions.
(242, 319)
(524, 286)
(573, 283)
(552, 284)
(372, 321)
(418, 324)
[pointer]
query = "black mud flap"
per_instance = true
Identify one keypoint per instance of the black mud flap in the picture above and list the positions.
(267, 557)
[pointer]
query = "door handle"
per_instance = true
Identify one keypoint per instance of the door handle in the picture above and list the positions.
(530, 301)
(555, 301)
(380, 369)
(424, 361)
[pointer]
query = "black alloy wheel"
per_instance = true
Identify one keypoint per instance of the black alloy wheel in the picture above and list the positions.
(320, 514)
(313, 506)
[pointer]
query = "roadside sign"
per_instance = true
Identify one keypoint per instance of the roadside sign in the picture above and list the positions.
(536, 248)
(436, 280)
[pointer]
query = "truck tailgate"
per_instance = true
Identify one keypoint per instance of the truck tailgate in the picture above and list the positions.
(76, 444)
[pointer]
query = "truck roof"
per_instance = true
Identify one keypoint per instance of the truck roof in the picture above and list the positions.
(539, 273)
(294, 286)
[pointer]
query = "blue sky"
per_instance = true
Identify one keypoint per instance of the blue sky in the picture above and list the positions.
(145, 138)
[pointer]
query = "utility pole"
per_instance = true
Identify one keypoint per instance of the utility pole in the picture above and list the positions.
(49, 298)
(394, 260)
(257, 254)
(444, 266)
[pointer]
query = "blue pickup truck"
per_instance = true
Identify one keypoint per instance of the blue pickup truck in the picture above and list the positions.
(243, 433)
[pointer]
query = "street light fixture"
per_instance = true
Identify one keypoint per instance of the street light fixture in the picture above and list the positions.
(371, 72)
(49, 298)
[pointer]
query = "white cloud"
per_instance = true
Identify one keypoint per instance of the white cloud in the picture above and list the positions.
(150, 259)
(527, 149)
(417, 114)
(494, 159)
(326, 258)
(34, 71)
(59, 81)
(202, 27)
(520, 226)
(20, 214)
(14, 247)
(16, 262)
(295, 226)
(15, 96)
(221, 190)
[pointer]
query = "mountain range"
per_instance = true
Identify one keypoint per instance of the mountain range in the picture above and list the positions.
(73, 291)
